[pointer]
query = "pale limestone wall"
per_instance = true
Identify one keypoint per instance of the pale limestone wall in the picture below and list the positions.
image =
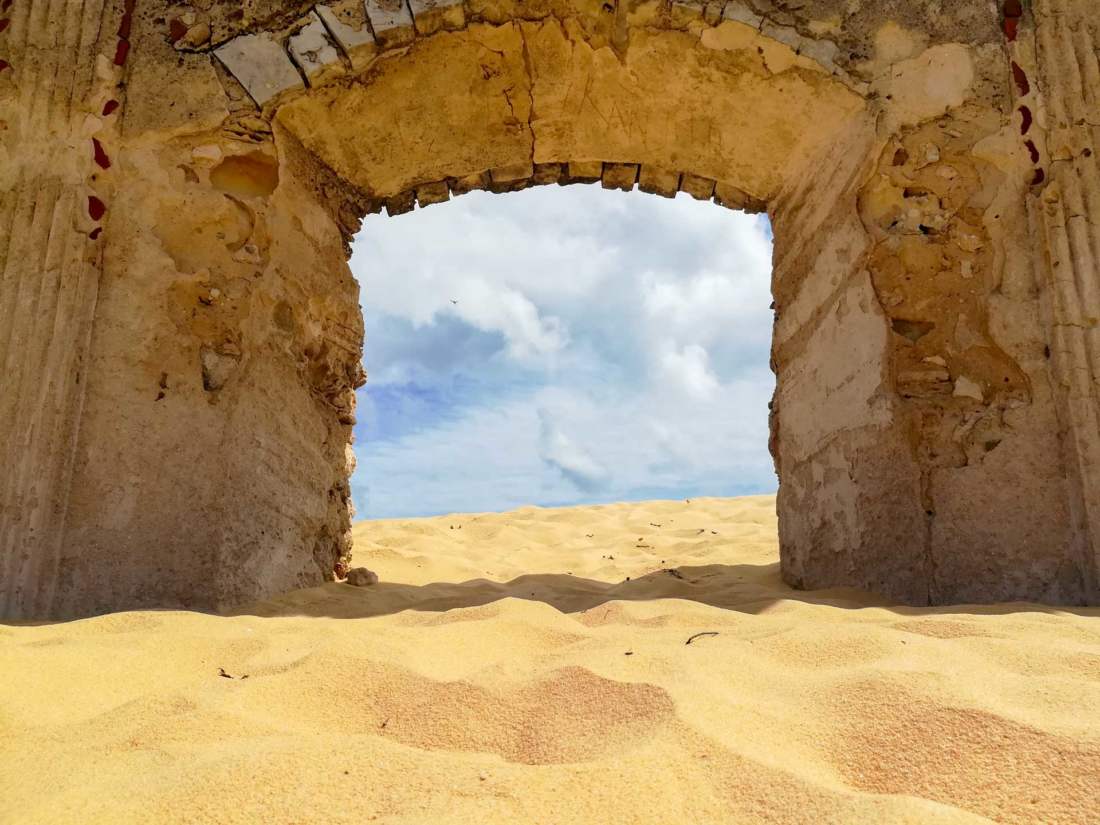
(179, 370)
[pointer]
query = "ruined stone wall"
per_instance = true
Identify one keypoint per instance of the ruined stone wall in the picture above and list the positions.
(181, 339)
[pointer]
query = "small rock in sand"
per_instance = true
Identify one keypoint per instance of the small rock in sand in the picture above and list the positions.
(362, 577)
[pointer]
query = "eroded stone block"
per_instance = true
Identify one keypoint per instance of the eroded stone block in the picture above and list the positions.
(546, 173)
(353, 35)
(731, 197)
(400, 204)
(620, 176)
(698, 187)
(684, 12)
(261, 65)
(786, 35)
(512, 173)
(391, 21)
(585, 171)
(822, 52)
(430, 16)
(470, 183)
(742, 14)
(313, 50)
(430, 193)
(658, 181)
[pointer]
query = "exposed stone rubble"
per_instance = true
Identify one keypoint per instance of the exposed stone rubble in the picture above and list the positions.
(361, 577)
(183, 339)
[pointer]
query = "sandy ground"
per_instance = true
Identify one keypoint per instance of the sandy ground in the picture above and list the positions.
(534, 667)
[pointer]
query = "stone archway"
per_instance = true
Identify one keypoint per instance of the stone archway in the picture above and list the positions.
(181, 339)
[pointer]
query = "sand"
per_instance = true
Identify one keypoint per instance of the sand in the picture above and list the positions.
(533, 667)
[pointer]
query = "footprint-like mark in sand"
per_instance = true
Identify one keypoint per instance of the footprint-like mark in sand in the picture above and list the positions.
(895, 741)
(570, 715)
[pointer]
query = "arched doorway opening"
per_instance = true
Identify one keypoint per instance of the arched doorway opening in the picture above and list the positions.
(561, 346)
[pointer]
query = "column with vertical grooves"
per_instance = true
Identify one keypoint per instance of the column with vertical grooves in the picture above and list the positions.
(1068, 246)
(49, 278)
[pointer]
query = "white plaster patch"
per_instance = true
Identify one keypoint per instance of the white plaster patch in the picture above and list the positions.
(925, 87)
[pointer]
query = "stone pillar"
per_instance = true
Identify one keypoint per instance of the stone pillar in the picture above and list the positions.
(1059, 88)
(850, 511)
(58, 70)
(919, 430)
(181, 335)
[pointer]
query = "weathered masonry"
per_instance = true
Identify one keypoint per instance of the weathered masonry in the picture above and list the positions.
(180, 337)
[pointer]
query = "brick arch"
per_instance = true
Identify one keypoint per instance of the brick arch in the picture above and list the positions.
(182, 335)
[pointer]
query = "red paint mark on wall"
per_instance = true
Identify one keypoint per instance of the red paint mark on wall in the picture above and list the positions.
(4, 24)
(5, 5)
(4, 65)
(1025, 120)
(122, 51)
(1013, 11)
(109, 107)
(96, 208)
(176, 30)
(101, 158)
(95, 232)
(1020, 76)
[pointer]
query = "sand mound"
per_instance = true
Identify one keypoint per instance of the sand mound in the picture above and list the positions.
(534, 667)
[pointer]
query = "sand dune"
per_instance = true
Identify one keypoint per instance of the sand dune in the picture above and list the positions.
(533, 667)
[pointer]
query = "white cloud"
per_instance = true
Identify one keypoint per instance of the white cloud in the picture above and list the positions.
(502, 309)
(690, 368)
(573, 462)
(603, 346)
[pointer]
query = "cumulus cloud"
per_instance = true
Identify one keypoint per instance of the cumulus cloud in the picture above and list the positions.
(562, 345)
(572, 461)
(501, 308)
(689, 367)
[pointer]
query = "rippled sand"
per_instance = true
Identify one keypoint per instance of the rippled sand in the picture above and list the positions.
(534, 667)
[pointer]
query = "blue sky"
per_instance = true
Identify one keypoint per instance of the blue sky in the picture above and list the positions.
(561, 345)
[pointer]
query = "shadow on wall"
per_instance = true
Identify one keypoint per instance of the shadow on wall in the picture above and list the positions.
(745, 588)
